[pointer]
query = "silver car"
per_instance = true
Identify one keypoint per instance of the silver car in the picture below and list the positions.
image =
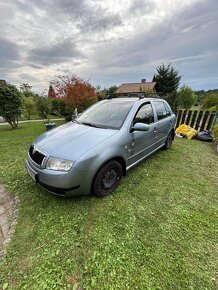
(93, 152)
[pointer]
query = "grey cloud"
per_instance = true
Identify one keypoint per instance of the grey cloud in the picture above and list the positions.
(167, 40)
(8, 50)
(9, 57)
(96, 24)
(141, 7)
(188, 40)
(58, 53)
(78, 12)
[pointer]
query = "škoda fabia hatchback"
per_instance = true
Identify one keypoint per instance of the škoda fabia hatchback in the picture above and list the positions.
(93, 152)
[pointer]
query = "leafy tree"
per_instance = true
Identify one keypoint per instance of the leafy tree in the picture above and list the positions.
(148, 93)
(103, 94)
(167, 79)
(186, 97)
(44, 106)
(25, 87)
(58, 108)
(211, 101)
(173, 100)
(10, 104)
(28, 100)
(74, 92)
(29, 105)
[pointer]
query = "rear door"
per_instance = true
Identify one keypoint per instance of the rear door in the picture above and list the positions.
(163, 121)
(142, 143)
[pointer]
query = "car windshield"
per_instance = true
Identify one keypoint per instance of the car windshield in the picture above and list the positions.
(108, 115)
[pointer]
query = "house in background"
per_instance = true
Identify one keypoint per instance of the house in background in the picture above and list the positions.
(2, 82)
(137, 88)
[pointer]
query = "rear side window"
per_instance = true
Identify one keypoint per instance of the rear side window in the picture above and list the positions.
(144, 115)
(167, 110)
(161, 109)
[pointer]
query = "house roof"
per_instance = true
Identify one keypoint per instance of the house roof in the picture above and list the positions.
(136, 87)
(2, 82)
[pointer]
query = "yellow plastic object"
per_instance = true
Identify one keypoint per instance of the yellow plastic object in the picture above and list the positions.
(186, 131)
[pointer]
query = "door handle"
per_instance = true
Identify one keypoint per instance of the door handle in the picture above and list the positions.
(155, 129)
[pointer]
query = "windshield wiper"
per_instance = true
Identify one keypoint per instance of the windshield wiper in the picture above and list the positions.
(75, 121)
(89, 124)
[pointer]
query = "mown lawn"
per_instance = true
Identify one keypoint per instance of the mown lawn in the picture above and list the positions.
(159, 230)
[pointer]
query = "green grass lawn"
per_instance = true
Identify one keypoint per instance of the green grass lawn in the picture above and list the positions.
(158, 230)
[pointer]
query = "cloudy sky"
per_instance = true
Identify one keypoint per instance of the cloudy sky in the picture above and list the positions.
(109, 42)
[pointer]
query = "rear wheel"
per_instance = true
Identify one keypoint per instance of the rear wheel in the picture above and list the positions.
(168, 141)
(107, 178)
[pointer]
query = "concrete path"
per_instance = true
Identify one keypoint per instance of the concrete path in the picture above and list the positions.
(8, 218)
(30, 121)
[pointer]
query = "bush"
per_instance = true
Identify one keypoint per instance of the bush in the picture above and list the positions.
(186, 97)
(215, 131)
(10, 104)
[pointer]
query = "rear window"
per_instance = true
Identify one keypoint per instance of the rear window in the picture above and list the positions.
(161, 109)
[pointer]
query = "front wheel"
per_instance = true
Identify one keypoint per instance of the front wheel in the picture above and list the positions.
(168, 141)
(107, 178)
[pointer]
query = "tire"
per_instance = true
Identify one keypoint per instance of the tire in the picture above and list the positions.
(168, 141)
(107, 178)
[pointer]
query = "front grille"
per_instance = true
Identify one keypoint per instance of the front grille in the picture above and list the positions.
(36, 156)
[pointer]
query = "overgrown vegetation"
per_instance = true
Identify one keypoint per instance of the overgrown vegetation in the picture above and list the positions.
(158, 230)
(207, 99)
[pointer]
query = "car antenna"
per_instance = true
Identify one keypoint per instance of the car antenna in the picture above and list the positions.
(141, 96)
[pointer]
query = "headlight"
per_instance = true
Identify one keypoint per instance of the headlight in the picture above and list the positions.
(59, 164)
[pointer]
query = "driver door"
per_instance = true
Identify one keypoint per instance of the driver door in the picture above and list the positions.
(142, 143)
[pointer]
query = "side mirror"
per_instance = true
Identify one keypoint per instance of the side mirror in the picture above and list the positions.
(140, 127)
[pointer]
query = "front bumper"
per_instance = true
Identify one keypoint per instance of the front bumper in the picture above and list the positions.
(69, 183)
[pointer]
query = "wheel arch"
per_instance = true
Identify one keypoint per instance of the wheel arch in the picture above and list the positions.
(116, 158)
(173, 133)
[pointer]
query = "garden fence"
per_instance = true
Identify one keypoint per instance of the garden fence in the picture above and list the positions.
(199, 120)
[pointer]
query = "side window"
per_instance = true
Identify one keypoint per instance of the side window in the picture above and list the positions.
(167, 109)
(144, 115)
(161, 110)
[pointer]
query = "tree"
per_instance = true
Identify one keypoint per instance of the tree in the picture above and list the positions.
(103, 94)
(25, 87)
(148, 93)
(28, 100)
(51, 92)
(167, 79)
(74, 92)
(10, 104)
(211, 101)
(44, 106)
(186, 97)
(29, 105)
(58, 108)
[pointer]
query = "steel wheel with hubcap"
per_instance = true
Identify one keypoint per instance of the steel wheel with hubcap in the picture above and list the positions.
(107, 178)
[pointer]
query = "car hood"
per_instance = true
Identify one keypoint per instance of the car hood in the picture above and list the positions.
(72, 140)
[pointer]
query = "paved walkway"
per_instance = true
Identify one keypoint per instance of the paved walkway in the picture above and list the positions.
(8, 218)
(30, 121)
